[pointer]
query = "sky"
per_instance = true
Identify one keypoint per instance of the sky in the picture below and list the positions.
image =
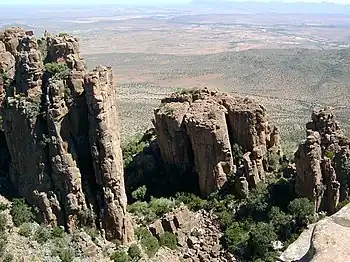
(78, 2)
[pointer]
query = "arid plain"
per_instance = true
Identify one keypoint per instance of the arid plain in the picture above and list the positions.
(291, 63)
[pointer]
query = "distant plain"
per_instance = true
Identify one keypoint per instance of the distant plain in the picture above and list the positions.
(291, 63)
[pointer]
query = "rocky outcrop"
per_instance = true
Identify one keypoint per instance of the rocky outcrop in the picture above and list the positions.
(61, 128)
(198, 235)
(204, 129)
(323, 162)
(327, 240)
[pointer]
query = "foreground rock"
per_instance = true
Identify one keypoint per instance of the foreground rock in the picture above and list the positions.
(62, 132)
(323, 162)
(328, 241)
(198, 235)
(204, 129)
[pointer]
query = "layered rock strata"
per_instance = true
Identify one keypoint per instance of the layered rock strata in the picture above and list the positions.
(202, 129)
(61, 128)
(323, 162)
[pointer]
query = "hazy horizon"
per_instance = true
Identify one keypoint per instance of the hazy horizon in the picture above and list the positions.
(168, 2)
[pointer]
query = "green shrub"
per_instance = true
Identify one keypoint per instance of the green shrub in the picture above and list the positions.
(134, 252)
(42, 234)
(3, 243)
(342, 204)
(169, 240)
(330, 154)
(193, 202)
(140, 193)
(120, 256)
(260, 240)
(273, 159)
(59, 70)
(57, 232)
(92, 232)
(151, 245)
(21, 212)
(61, 34)
(3, 206)
(8, 258)
(133, 147)
(236, 239)
(148, 242)
(303, 210)
(25, 230)
(3, 222)
(65, 254)
(162, 205)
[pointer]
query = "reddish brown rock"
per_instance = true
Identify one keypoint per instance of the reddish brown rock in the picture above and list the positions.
(322, 162)
(63, 137)
(199, 128)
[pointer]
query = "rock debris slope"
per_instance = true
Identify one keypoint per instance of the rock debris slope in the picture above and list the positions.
(202, 128)
(323, 162)
(61, 128)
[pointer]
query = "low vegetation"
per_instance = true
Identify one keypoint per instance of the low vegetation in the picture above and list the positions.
(21, 212)
(58, 70)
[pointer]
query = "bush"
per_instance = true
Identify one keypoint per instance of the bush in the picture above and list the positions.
(25, 230)
(169, 240)
(3, 206)
(148, 242)
(236, 239)
(151, 245)
(21, 212)
(3, 243)
(193, 202)
(65, 254)
(302, 210)
(59, 70)
(8, 258)
(160, 206)
(132, 148)
(57, 232)
(63, 34)
(42, 234)
(140, 193)
(3, 222)
(261, 238)
(120, 256)
(134, 252)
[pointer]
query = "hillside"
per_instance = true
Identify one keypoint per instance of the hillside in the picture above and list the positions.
(290, 83)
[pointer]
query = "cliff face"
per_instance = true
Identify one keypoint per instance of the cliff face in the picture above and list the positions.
(61, 128)
(200, 129)
(327, 240)
(323, 162)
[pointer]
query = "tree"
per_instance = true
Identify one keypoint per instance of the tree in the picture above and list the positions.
(261, 238)
(21, 212)
(236, 239)
(302, 210)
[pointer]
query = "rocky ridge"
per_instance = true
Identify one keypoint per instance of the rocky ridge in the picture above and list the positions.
(323, 162)
(199, 131)
(62, 132)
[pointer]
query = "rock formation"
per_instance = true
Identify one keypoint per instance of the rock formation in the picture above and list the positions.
(61, 128)
(327, 240)
(198, 235)
(202, 128)
(323, 162)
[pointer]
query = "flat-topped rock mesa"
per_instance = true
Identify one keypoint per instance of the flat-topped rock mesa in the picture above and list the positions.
(62, 131)
(323, 162)
(201, 129)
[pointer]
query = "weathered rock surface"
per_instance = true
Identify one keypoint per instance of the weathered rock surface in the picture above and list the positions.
(328, 241)
(200, 128)
(62, 133)
(323, 162)
(198, 235)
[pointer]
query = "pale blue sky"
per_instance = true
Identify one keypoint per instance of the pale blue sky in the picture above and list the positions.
(78, 2)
